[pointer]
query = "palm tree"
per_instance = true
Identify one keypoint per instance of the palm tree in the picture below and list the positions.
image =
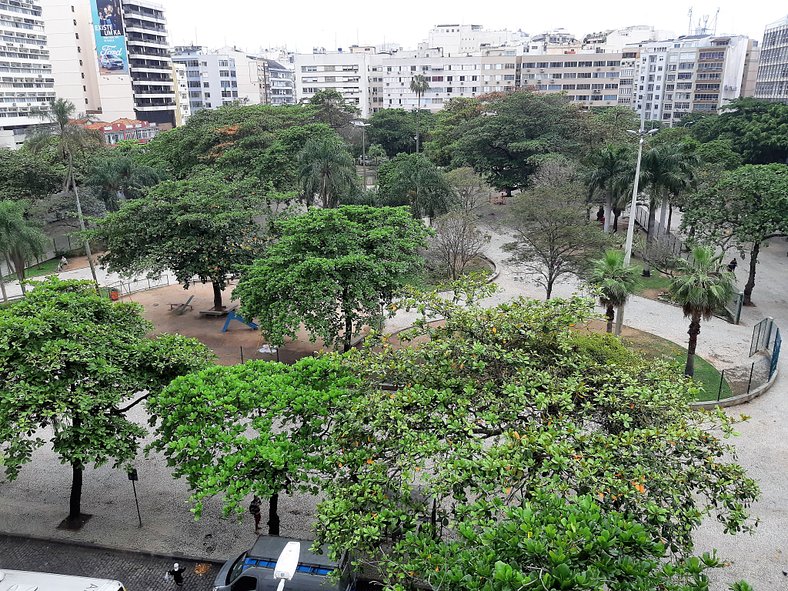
(20, 239)
(701, 289)
(615, 283)
(419, 85)
(327, 169)
(609, 166)
(119, 178)
(71, 139)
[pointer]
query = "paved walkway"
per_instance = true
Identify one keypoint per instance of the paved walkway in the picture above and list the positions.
(138, 572)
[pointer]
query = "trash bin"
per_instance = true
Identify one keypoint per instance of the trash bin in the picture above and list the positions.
(114, 294)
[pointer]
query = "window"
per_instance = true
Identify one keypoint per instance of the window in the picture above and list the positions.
(206, 84)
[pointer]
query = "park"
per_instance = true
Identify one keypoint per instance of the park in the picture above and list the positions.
(503, 332)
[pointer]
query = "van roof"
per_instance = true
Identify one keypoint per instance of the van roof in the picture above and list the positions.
(17, 580)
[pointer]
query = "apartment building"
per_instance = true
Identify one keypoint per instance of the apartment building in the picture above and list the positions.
(772, 79)
(183, 108)
(589, 79)
(26, 80)
(694, 73)
(345, 72)
(462, 40)
(150, 63)
(277, 83)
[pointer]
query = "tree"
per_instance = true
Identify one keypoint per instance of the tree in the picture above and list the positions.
(743, 209)
(419, 84)
(332, 108)
(326, 169)
(758, 130)
(503, 143)
(446, 133)
(701, 289)
(509, 419)
(554, 236)
(332, 270)
(27, 175)
(393, 130)
(615, 282)
(75, 363)
(117, 178)
(20, 239)
(470, 191)
(457, 242)
(412, 180)
(610, 168)
(251, 429)
(376, 153)
(201, 229)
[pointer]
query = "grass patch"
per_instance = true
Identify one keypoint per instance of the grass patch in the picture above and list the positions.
(657, 281)
(706, 375)
(46, 268)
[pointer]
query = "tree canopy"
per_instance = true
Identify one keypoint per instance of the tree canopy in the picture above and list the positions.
(395, 130)
(412, 180)
(202, 229)
(73, 361)
(334, 270)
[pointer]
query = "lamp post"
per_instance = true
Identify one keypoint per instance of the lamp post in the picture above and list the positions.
(360, 123)
(642, 134)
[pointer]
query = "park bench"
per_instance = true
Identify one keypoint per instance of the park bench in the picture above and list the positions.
(217, 313)
(181, 308)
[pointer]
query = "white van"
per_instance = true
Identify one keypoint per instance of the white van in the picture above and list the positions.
(18, 580)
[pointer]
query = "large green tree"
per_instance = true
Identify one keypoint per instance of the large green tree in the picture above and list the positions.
(394, 130)
(412, 180)
(333, 109)
(119, 177)
(744, 208)
(419, 84)
(504, 143)
(202, 229)
(21, 239)
(489, 415)
(251, 429)
(28, 175)
(610, 169)
(332, 270)
(73, 363)
(758, 130)
(701, 288)
(326, 169)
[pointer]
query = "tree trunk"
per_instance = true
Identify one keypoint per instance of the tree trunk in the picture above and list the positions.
(756, 249)
(2, 289)
(75, 501)
(693, 332)
(273, 515)
(549, 288)
(348, 320)
(652, 215)
(663, 217)
(217, 296)
(608, 212)
(619, 320)
(611, 315)
(670, 217)
(616, 215)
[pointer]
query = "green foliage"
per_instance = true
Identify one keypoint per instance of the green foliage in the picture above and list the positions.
(334, 270)
(501, 424)
(395, 129)
(201, 229)
(441, 149)
(611, 173)
(412, 180)
(614, 281)
(21, 239)
(332, 108)
(326, 169)
(255, 428)
(26, 175)
(758, 130)
(116, 177)
(512, 132)
(69, 361)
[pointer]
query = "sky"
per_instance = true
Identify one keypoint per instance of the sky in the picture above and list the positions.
(301, 25)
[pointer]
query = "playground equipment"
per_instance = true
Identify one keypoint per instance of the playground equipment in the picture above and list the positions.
(232, 315)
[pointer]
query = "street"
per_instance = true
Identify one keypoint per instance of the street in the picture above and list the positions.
(138, 572)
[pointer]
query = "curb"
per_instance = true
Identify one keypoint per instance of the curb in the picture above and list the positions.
(736, 400)
(93, 546)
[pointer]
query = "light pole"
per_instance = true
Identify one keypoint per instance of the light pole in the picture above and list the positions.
(642, 134)
(360, 123)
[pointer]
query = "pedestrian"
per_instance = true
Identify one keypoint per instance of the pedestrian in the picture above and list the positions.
(63, 262)
(176, 573)
(732, 265)
(254, 509)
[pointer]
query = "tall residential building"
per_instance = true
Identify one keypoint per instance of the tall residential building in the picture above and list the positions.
(183, 108)
(341, 71)
(461, 40)
(26, 80)
(772, 81)
(277, 83)
(150, 63)
(694, 73)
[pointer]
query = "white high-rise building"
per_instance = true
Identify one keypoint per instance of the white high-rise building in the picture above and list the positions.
(26, 80)
(772, 81)
(345, 72)
(461, 40)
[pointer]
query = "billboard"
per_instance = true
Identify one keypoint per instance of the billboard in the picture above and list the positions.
(113, 57)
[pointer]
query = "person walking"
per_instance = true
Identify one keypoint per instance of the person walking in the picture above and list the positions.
(176, 573)
(732, 265)
(254, 509)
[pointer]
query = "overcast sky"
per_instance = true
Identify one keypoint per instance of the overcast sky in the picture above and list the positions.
(302, 24)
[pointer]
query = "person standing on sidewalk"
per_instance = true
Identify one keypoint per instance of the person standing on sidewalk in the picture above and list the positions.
(177, 574)
(254, 509)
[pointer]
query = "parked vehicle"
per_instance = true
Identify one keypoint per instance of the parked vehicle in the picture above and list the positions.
(253, 570)
(18, 580)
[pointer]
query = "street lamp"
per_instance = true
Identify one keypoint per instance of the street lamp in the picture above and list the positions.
(642, 134)
(360, 123)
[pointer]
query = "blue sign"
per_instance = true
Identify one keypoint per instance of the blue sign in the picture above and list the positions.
(113, 57)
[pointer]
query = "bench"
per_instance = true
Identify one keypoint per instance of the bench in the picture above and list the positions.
(217, 313)
(181, 308)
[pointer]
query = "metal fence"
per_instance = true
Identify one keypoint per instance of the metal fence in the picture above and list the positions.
(762, 336)
(136, 285)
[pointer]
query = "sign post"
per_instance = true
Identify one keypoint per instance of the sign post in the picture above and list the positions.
(134, 477)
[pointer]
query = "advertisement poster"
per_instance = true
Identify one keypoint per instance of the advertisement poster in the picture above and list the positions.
(113, 58)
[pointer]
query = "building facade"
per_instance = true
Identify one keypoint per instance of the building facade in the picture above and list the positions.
(150, 64)
(26, 80)
(277, 83)
(345, 72)
(772, 78)
(183, 109)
